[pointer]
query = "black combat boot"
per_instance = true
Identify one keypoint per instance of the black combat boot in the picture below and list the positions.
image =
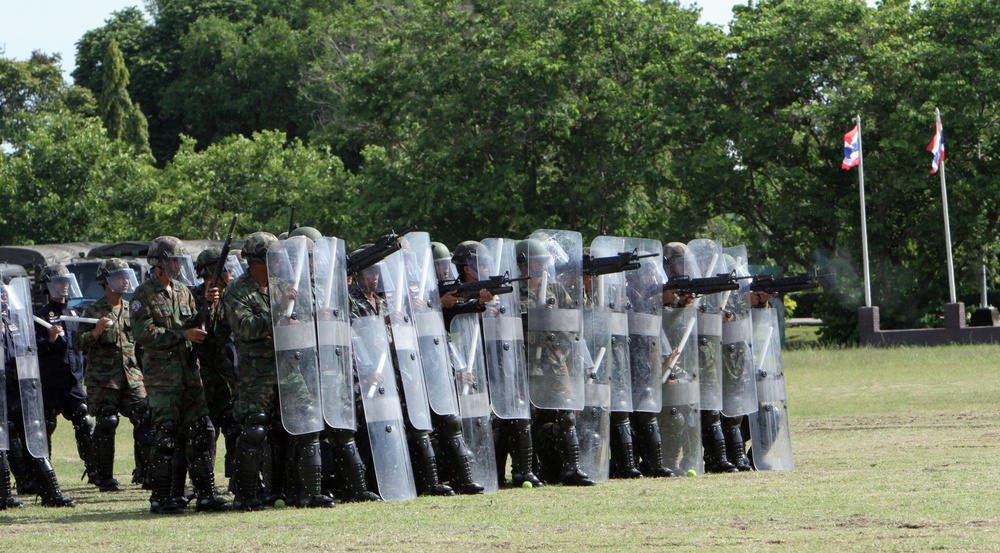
(6, 499)
(715, 449)
(178, 477)
(425, 468)
(246, 475)
(104, 451)
(623, 452)
(522, 456)
(83, 428)
(652, 452)
(48, 486)
(463, 480)
(161, 501)
(310, 472)
(18, 457)
(569, 454)
(736, 448)
(353, 469)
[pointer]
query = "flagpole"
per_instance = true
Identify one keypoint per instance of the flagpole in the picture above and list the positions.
(947, 225)
(864, 218)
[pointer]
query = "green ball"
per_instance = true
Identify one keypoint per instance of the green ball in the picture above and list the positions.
(692, 473)
(279, 503)
(527, 485)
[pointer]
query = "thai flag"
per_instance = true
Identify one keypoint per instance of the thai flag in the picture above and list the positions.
(852, 148)
(936, 147)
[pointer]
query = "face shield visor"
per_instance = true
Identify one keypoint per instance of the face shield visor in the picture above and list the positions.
(64, 287)
(122, 281)
(181, 269)
(233, 267)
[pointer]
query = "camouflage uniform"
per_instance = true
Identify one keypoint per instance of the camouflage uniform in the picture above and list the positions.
(173, 385)
(114, 385)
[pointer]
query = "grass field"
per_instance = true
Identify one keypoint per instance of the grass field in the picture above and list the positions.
(895, 450)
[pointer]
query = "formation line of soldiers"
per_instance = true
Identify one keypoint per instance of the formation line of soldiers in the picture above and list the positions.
(400, 370)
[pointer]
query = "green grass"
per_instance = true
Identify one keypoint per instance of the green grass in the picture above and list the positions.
(895, 450)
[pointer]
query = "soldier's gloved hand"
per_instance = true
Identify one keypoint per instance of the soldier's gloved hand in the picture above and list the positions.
(449, 300)
(212, 295)
(55, 332)
(102, 323)
(195, 335)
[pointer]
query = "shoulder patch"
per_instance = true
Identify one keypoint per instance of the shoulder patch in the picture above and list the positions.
(136, 306)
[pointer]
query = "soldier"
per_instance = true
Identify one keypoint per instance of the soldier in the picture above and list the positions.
(217, 353)
(162, 308)
(248, 308)
(739, 392)
(551, 303)
(61, 365)
(112, 374)
(24, 394)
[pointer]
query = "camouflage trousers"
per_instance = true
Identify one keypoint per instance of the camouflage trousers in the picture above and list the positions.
(123, 400)
(184, 404)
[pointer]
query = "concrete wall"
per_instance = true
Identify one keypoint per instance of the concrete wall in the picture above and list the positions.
(955, 330)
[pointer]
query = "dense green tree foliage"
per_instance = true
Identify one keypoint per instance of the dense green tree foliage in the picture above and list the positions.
(473, 118)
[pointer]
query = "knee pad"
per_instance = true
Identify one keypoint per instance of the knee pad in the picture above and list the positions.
(50, 421)
(729, 422)
(107, 419)
(166, 438)
(140, 413)
(201, 433)
(81, 418)
(451, 425)
(567, 420)
(710, 417)
(255, 429)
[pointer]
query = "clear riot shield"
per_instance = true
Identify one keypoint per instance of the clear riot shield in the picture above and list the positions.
(432, 340)
(710, 261)
(474, 398)
(22, 330)
(680, 418)
(404, 339)
(739, 393)
(769, 430)
(645, 324)
(593, 423)
(293, 325)
(4, 438)
(554, 302)
(333, 333)
(611, 299)
(503, 335)
(383, 412)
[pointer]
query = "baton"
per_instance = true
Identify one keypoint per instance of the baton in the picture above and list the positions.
(763, 350)
(471, 358)
(680, 349)
(378, 370)
(600, 357)
(87, 320)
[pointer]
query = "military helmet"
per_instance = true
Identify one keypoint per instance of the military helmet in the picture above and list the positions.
(162, 248)
(466, 252)
(309, 232)
(109, 266)
(256, 245)
(207, 259)
(53, 271)
(530, 247)
(440, 251)
(675, 258)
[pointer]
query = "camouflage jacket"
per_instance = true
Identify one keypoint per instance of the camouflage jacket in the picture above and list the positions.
(158, 324)
(248, 311)
(110, 358)
(214, 354)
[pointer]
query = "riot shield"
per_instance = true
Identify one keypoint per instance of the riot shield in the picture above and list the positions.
(4, 438)
(425, 304)
(769, 430)
(611, 301)
(593, 423)
(554, 300)
(404, 339)
(293, 325)
(645, 324)
(708, 256)
(333, 333)
(22, 331)
(474, 398)
(739, 393)
(383, 412)
(503, 336)
(680, 418)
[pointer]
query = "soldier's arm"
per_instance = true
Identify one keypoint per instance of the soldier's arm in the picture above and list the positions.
(247, 322)
(85, 334)
(145, 330)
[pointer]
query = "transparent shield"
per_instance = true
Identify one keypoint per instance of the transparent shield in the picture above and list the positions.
(22, 333)
(611, 295)
(428, 319)
(123, 281)
(333, 333)
(739, 392)
(404, 339)
(503, 336)
(554, 302)
(295, 345)
(680, 418)
(474, 397)
(233, 267)
(769, 428)
(181, 269)
(383, 412)
(645, 294)
(593, 427)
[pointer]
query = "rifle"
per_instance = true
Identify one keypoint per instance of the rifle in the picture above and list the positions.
(685, 285)
(200, 319)
(496, 285)
(291, 221)
(381, 249)
(624, 261)
(782, 285)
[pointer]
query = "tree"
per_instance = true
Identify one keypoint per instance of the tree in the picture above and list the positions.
(122, 119)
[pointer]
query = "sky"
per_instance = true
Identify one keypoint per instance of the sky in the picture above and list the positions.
(54, 26)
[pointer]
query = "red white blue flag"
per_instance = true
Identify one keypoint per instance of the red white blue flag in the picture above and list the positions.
(936, 147)
(852, 148)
